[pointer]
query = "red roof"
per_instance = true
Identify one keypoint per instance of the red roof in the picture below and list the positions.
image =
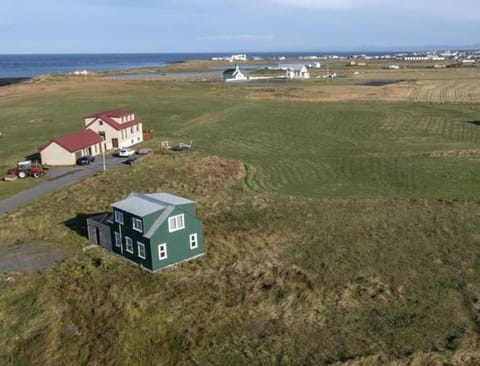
(109, 115)
(77, 141)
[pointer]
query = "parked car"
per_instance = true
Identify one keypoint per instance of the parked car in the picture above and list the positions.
(131, 160)
(145, 151)
(126, 152)
(85, 160)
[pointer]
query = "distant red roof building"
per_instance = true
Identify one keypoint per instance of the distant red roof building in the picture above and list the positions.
(76, 141)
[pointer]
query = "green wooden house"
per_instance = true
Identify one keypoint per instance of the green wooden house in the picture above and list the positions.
(153, 230)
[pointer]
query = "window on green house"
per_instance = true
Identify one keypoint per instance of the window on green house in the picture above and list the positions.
(119, 217)
(118, 240)
(162, 251)
(141, 250)
(137, 224)
(193, 241)
(129, 244)
(176, 223)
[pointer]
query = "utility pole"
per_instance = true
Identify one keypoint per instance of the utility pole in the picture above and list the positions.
(103, 154)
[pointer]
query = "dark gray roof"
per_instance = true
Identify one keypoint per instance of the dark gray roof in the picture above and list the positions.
(101, 218)
(141, 205)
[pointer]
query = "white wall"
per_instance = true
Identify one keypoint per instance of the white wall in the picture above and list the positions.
(125, 137)
(54, 154)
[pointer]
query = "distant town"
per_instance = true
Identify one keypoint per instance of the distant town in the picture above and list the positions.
(464, 57)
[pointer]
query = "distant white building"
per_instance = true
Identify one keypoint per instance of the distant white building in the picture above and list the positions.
(295, 71)
(233, 75)
(232, 58)
(80, 72)
(241, 57)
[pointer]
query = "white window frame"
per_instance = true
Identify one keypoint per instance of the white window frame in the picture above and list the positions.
(141, 245)
(173, 223)
(129, 244)
(137, 224)
(162, 251)
(119, 217)
(118, 240)
(193, 241)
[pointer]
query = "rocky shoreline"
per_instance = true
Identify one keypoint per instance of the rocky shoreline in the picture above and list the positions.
(11, 81)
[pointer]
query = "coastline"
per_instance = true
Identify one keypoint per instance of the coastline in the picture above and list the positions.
(12, 81)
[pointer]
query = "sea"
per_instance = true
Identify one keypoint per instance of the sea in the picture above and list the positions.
(27, 66)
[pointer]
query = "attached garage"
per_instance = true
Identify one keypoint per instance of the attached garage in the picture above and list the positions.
(67, 149)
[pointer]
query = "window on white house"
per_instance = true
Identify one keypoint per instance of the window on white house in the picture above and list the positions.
(141, 250)
(176, 223)
(131, 129)
(193, 241)
(162, 251)
(118, 240)
(137, 224)
(129, 244)
(119, 217)
(138, 128)
(100, 122)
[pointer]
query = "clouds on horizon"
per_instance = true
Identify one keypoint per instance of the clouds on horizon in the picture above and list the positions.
(235, 37)
(228, 25)
(465, 9)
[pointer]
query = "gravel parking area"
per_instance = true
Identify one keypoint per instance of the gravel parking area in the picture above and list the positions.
(31, 257)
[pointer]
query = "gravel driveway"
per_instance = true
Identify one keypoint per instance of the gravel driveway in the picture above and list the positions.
(30, 257)
(57, 178)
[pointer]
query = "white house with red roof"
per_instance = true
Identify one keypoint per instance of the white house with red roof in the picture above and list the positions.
(67, 149)
(119, 128)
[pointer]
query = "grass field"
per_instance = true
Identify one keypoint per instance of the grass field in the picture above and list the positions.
(340, 232)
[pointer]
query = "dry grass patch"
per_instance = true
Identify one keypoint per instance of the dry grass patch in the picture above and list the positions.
(312, 92)
(447, 91)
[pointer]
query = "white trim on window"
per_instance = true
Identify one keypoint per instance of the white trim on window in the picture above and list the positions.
(162, 251)
(193, 241)
(176, 223)
(119, 217)
(118, 240)
(141, 250)
(129, 244)
(137, 224)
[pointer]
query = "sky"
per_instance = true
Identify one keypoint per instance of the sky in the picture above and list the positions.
(129, 26)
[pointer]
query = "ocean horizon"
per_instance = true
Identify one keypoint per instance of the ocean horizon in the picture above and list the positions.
(30, 65)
